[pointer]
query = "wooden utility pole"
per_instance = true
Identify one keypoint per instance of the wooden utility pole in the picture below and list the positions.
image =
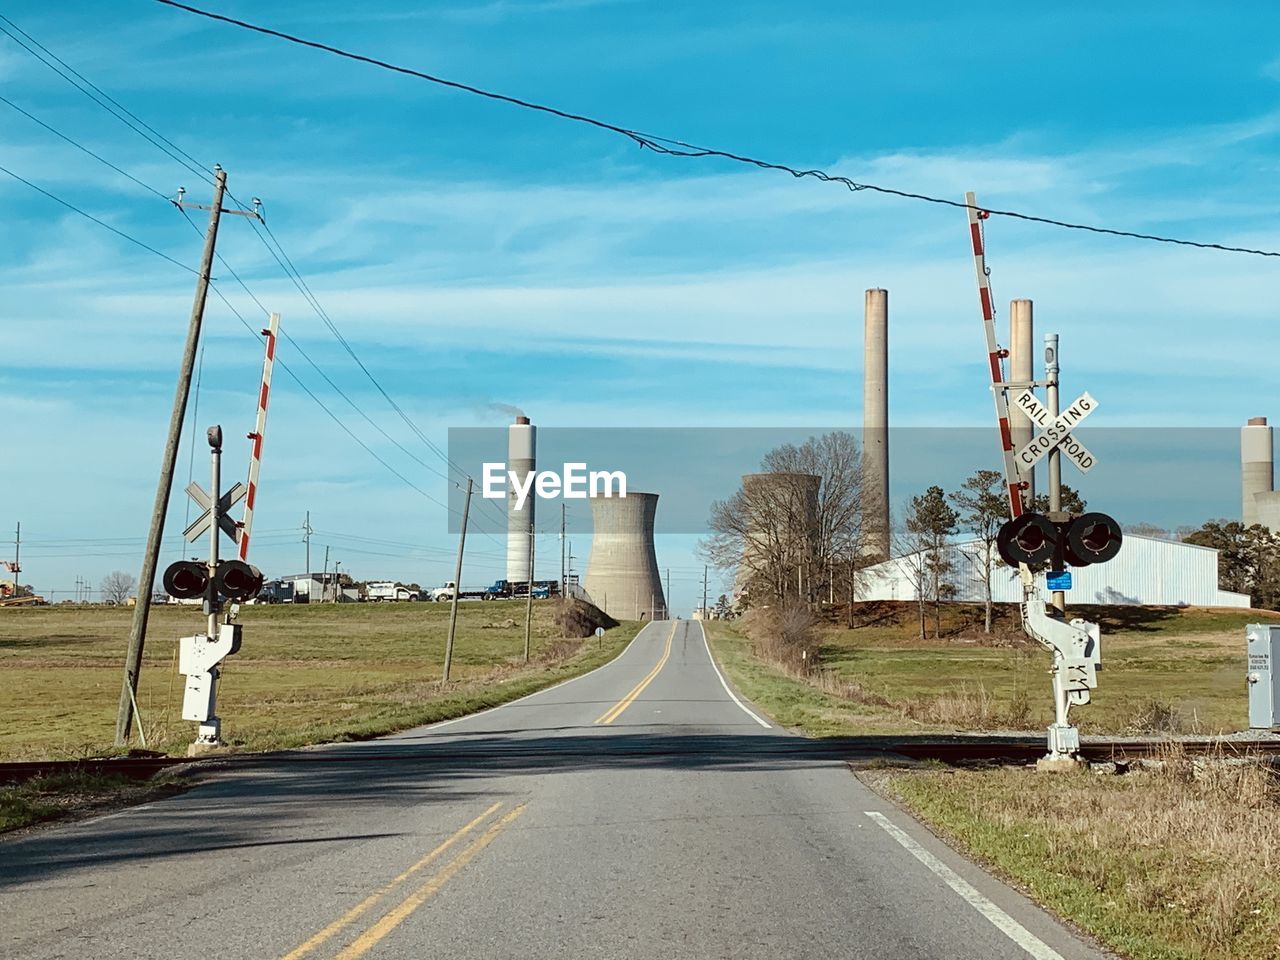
(666, 601)
(528, 607)
(704, 593)
(457, 584)
(147, 578)
(324, 576)
(564, 583)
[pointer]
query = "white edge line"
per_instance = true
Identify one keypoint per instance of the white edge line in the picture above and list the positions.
(724, 683)
(1003, 922)
(562, 683)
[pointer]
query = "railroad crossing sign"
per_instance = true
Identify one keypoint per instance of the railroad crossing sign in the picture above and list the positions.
(204, 501)
(1056, 431)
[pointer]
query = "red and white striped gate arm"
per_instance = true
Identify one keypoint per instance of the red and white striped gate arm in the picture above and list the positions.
(994, 355)
(259, 431)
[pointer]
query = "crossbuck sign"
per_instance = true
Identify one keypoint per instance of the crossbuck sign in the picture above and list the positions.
(1057, 431)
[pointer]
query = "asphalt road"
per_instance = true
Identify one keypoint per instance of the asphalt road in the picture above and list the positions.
(638, 811)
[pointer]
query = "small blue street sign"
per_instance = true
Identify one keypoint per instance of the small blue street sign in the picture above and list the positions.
(1058, 580)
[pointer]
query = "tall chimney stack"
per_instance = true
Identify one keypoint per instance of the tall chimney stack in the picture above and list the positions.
(1257, 468)
(875, 423)
(1022, 368)
(521, 459)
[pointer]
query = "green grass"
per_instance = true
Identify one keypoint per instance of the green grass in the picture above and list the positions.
(68, 795)
(1190, 663)
(1158, 866)
(305, 674)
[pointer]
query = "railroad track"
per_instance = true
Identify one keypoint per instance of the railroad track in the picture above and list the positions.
(957, 751)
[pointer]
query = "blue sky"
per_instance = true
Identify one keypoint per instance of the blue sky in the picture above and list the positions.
(474, 254)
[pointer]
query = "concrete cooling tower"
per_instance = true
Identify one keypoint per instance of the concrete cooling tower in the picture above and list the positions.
(1260, 502)
(622, 574)
(521, 458)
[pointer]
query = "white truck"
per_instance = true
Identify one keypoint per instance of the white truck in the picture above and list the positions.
(443, 594)
(389, 590)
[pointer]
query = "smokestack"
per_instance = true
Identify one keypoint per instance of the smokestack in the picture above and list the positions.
(1021, 368)
(875, 423)
(1257, 468)
(622, 574)
(521, 459)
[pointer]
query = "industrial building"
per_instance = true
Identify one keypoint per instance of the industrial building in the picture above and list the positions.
(1148, 572)
(522, 445)
(622, 572)
(875, 423)
(1260, 501)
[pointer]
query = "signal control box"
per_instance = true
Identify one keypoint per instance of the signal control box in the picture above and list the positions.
(1264, 675)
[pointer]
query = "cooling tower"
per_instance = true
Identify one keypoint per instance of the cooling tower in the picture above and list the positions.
(782, 530)
(622, 574)
(1257, 470)
(875, 423)
(1021, 369)
(521, 456)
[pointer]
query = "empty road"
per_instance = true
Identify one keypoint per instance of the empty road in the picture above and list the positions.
(641, 810)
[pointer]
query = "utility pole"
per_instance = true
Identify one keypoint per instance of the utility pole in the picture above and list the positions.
(147, 578)
(324, 576)
(337, 583)
(306, 538)
(564, 584)
(457, 584)
(528, 607)
(704, 593)
(1051, 369)
(666, 601)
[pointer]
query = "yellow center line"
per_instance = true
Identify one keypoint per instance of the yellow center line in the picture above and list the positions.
(354, 913)
(398, 914)
(615, 711)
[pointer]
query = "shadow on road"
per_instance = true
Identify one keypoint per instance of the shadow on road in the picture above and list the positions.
(309, 796)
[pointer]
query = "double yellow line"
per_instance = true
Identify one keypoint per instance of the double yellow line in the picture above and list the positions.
(615, 711)
(401, 912)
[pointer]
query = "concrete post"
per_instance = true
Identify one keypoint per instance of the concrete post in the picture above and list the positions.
(875, 423)
(1021, 369)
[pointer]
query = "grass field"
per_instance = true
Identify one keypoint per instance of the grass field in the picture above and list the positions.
(1165, 670)
(1174, 863)
(305, 674)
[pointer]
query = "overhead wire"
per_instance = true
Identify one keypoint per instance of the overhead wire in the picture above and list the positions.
(222, 260)
(680, 148)
(175, 152)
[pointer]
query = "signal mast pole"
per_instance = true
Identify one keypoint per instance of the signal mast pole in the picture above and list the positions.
(150, 559)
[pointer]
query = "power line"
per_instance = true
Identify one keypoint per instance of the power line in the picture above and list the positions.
(82, 148)
(102, 223)
(100, 97)
(681, 148)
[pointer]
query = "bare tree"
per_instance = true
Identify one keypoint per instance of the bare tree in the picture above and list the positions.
(794, 533)
(983, 509)
(117, 586)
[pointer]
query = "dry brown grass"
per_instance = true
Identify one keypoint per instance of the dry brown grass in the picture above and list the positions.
(786, 636)
(1178, 858)
(970, 707)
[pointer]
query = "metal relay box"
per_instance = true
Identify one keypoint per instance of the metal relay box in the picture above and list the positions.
(1264, 675)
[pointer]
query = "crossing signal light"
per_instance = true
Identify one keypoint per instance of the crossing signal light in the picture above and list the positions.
(186, 579)
(1031, 539)
(1036, 540)
(1092, 538)
(238, 581)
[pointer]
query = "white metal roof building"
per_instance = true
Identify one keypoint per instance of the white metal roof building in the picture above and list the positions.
(1148, 572)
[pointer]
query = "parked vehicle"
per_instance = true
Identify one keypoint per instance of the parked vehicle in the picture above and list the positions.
(391, 591)
(498, 590)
